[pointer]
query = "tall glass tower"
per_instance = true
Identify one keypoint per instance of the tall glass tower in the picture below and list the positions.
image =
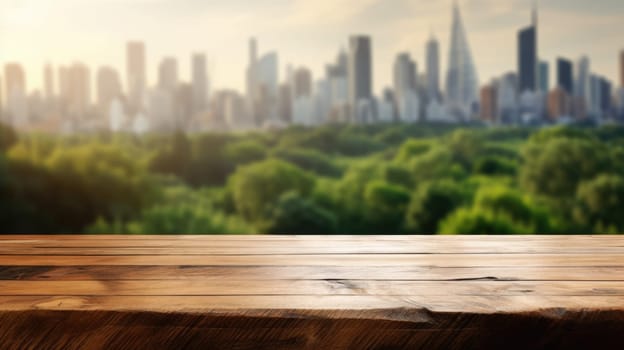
(528, 63)
(360, 84)
(433, 68)
(461, 79)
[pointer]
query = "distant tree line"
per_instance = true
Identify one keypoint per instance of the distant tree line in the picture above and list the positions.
(336, 179)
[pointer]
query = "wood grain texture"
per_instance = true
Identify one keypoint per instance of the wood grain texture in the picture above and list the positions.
(312, 292)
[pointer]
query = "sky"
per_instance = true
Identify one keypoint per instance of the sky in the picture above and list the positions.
(303, 32)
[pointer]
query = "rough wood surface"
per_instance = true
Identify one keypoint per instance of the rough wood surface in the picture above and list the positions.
(314, 292)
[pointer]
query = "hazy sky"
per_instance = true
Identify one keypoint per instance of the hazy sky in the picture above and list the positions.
(304, 32)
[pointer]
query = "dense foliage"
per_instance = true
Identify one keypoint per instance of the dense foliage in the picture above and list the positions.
(338, 179)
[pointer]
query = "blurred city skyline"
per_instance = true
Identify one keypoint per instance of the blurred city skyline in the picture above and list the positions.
(304, 33)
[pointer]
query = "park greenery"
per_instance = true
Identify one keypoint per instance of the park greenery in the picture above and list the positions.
(335, 179)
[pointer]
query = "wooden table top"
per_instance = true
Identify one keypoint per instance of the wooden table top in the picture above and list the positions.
(310, 292)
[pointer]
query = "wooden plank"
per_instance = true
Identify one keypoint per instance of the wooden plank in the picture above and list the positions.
(442, 260)
(310, 287)
(260, 273)
(94, 248)
(298, 292)
(203, 304)
(260, 239)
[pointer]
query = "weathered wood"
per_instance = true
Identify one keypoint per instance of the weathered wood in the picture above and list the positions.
(260, 273)
(311, 288)
(313, 292)
(442, 260)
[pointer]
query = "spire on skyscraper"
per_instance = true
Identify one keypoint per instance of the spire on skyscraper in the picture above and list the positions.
(534, 17)
(462, 81)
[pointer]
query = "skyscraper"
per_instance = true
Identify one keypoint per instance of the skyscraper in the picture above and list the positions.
(48, 82)
(544, 76)
(489, 103)
(433, 68)
(461, 80)
(360, 77)
(15, 94)
(63, 87)
(78, 90)
(528, 70)
(622, 69)
(108, 88)
(564, 75)
(251, 70)
(559, 103)
(168, 74)
(527, 56)
(405, 73)
(136, 74)
(606, 93)
(266, 78)
(199, 83)
(595, 106)
(302, 83)
(405, 89)
(581, 84)
(337, 76)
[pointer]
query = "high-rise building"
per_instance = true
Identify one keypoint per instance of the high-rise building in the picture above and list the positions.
(405, 73)
(302, 83)
(338, 86)
(15, 94)
(200, 83)
(489, 103)
(168, 74)
(559, 104)
(622, 69)
(405, 88)
(544, 76)
(564, 75)
(360, 77)
(461, 81)
(182, 106)
(136, 71)
(581, 84)
(251, 73)
(108, 88)
(595, 105)
(63, 88)
(48, 82)
(433, 68)
(285, 108)
(266, 80)
(606, 94)
(78, 90)
(527, 57)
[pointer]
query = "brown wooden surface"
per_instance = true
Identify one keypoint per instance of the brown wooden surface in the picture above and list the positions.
(291, 292)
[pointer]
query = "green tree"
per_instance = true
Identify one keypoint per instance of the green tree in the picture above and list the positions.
(246, 151)
(174, 158)
(436, 164)
(556, 167)
(411, 149)
(474, 222)
(510, 203)
(493, 166)
(431, 203)
(257, 187)
(8, 137)
(310, 160)
(601, 202)
(210, 165)
(293, 214)
(465, 145)
(385, 207)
